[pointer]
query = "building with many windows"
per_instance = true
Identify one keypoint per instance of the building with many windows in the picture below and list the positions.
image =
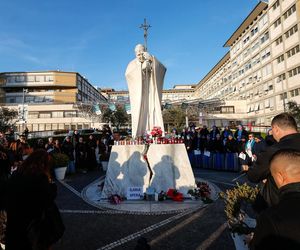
(50, 100)
(262, 67)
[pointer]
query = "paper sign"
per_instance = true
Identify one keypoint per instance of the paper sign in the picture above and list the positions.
(242, 156)
(197, 152)
(134, 193)
(207, 153)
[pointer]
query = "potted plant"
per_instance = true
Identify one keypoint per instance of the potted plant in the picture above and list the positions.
(60, 163)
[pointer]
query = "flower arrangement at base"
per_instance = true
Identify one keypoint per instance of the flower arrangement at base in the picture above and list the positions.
(236, 199)
(202, 191)
(174, 195)
(156, 132)
(115, 199)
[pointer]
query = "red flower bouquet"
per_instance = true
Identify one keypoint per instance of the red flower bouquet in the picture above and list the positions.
(156, 132)
(175, 195)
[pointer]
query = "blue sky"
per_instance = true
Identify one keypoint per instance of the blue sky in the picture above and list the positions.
(97, 37)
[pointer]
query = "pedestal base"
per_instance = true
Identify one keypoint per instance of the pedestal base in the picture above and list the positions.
(127, 168)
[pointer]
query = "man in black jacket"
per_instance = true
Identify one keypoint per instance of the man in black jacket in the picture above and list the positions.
(278, 226)
(284, 129)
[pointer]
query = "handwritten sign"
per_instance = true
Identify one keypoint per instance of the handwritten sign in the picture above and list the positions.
(134, 193)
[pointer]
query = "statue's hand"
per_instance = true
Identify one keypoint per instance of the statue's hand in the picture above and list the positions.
(146, 65)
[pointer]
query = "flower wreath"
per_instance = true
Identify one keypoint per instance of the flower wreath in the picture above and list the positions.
(235, 199)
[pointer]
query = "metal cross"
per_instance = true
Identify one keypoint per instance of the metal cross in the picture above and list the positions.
(145, 27)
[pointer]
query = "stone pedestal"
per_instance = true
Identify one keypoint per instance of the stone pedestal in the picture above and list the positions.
(127, 168)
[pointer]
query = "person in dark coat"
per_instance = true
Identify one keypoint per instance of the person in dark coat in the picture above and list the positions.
(91, 156)
(29, 192)
(214, 132)
(217, 145)
(269, 138)
(240, 133)
(231, 145)
(278, 226)
(203, 138)
(225, 133)
(284, 129)
(80, 154)
(68, 149)
(259, 146)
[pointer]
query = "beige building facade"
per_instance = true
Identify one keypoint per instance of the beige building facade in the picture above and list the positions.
(262, 67)
(52, 100)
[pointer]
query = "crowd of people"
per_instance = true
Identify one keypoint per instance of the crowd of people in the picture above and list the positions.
(223, 149)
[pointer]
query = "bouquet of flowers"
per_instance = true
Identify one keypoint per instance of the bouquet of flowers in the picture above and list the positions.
(175, 195)
(115, 199)
(156, 132)
(202, 191)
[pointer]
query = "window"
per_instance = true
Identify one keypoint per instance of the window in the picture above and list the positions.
(57, 114)
(33, 115)
(246, 39)
(281, 77)
(277, 22)
(256, 60)
(289, 12)
(20, 78)
(45, 114)
(227, 109)
(271, 87)
(294, 72)
(41, 127)
(267, 70)
(265, 54)
(248, 66)
(294, 92)
(265, 37)
(48, 126)
(54, 126)
(30, 78)
(283, 96)
(278, 40)
(70, 113)
(293, 51)
(39, 78)
(254, 31)
(267, 103)
(255, 46)
(280, 59)
(49, 78)
(275, 5)
(291, 31)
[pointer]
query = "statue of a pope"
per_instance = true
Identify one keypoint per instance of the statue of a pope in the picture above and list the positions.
(145, 77)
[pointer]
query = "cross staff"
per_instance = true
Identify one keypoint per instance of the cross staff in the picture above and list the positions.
(145, 27)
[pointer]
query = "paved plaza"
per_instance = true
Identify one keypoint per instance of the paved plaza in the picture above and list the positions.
(92, 224)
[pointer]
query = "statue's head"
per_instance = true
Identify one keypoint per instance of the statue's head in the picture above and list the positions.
(139, 52)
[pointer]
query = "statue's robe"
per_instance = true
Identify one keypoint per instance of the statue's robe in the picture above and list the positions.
(145, 93)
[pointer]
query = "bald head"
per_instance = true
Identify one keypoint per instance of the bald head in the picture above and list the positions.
(285, 167)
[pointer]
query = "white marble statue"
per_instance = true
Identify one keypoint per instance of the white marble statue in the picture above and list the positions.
(145, 76)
